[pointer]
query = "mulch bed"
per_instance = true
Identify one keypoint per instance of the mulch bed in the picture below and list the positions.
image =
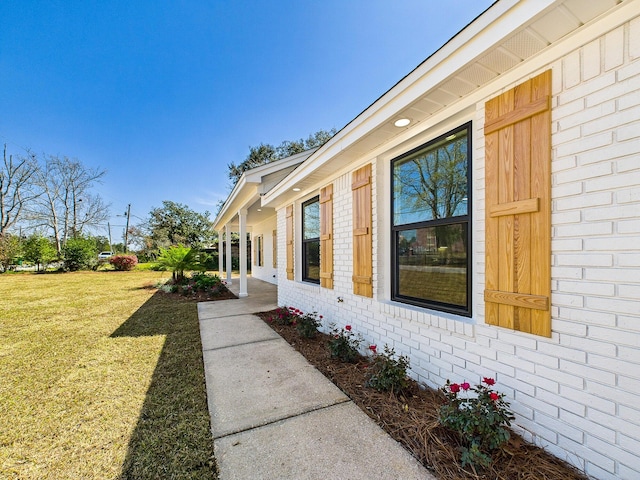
(412, 419)
(198, 296)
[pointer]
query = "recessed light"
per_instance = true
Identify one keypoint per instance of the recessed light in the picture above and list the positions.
(402, 122)
(259, 209)
(296, 189)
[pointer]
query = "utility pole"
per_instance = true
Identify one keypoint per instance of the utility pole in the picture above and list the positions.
(126, 231)
(109, 227)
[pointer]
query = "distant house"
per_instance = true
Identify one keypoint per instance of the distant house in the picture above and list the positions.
(483, 218)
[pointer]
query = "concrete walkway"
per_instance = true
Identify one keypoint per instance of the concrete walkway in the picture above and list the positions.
(273, 415)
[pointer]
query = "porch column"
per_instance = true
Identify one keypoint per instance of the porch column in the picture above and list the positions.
(220, 254)
(242, 215)
(227, 239)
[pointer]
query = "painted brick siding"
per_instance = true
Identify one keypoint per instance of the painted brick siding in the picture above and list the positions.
(575, 393)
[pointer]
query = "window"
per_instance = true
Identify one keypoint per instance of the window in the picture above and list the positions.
(311, 240)
(431, 217)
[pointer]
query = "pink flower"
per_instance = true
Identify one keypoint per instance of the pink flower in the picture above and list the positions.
(454, 387)
(348, 328)
(489, 381)
(494, 396)
(373, 348)
(465, 386)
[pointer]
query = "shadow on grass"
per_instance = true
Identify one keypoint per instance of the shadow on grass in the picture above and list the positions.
(172, 438)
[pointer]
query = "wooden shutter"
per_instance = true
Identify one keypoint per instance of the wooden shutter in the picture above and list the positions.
(326, 237)
(362, 235)
(289, 215)
(274, 248)
(518, 207)
(255, 251)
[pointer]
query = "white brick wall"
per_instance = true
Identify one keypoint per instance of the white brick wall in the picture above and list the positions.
(576, 393)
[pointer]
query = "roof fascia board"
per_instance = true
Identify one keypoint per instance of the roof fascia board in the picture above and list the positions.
(481, 35)
(241, 198)
(255, 176)
(614, 18)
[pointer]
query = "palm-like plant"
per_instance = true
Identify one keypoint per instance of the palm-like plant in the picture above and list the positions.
(177, 259)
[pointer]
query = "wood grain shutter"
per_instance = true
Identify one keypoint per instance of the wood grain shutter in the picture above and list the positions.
(326, 237)
(362, 235)
(289, 216)
(274, 248)
(518, 207)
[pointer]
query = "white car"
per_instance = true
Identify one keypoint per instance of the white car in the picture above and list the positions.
(105, 255)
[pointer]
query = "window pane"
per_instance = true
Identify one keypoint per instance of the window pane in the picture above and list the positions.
(311, 220)
(311, 255)
(432, 264)
(432, 183)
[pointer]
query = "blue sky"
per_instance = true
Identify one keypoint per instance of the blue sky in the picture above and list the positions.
(164, 94)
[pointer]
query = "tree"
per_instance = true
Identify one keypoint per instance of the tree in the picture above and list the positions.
(16, 188)
(10, 250)
(39, 250)
(265, 153)
(176, 223)
(177, 259)
(80, 253)
(66, 204)
(260, 155)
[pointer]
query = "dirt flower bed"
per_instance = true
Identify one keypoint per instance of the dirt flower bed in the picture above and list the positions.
(199, 287)
(412, 419)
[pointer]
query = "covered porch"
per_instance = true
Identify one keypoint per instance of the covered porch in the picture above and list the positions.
(243, 214)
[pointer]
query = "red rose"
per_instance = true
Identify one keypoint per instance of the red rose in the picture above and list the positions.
(488, 381)
(373, 348)
(494, 396)
(454, 387)
(348, 328)
(465, 386)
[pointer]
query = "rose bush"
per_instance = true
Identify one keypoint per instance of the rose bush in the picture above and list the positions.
(480, 417)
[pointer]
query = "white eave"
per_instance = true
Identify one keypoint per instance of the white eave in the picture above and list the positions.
(252, 185)
(507, 34)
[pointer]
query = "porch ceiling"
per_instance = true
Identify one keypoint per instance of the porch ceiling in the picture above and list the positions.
(476, 56)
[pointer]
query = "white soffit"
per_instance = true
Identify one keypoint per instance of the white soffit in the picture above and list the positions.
(531, 35)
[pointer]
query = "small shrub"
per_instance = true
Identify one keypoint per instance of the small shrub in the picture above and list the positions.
(388, 373)
(124, 263)
(344, 344)
(80, 253)
(205, 281)
(480, 417)
(308, 324)
(285, 316)
(211, 285)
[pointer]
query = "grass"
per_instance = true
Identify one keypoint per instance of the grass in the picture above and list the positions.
(102, 377)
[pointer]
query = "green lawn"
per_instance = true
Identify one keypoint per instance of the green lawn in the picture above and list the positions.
(102, 378)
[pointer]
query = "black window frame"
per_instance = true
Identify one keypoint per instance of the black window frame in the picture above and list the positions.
(307, 242)
(454, 220)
